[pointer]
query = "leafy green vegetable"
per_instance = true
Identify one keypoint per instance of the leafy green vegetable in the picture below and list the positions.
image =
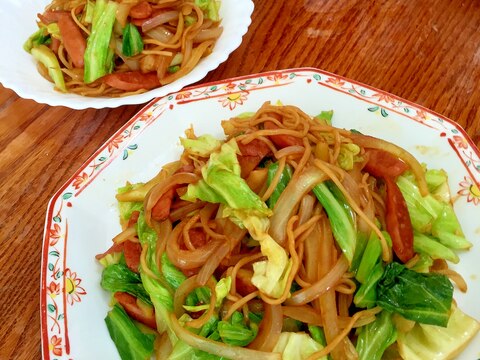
(236, 332)
(173, 69)
(210, 8)
(161, 296)
(222, 288)
(317, 334)
(366, 295)
(118, 277)
(447, 229)
(47, 57)
(427, 341)
(39, 37)
(132, 43)
(269, 276)
(362, 240)
(183, 351)
(98, 55)
(89, 10)
(171, 273)
(282, 183)
(425, 298)
(325, 117)
(370, 258)
(375, 337)
(348, 155)
(430, 215)
(203, 145)
(222, 183)
(437, 182)
(423, 264)
(342, 228)
(424, 244)
(131, 343)
(296, 346)
(110, 259)
(126, 208)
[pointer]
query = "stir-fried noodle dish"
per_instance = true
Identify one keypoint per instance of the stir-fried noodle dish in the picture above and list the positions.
(288, 239)
(122, 47)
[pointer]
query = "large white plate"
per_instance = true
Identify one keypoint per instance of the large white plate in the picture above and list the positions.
(18, 70)
(82, 217)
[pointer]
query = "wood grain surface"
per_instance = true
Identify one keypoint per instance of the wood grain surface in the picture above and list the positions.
(426, 51)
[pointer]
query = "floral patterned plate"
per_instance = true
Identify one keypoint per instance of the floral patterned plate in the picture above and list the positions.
(82, 217)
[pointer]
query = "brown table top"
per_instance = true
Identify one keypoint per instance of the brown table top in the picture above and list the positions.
(425, 51)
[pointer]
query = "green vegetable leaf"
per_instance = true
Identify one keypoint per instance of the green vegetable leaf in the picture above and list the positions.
(424, 244)
(427, 341)
(374, 338)
(348, 155)
(370, 258)
(236, 332)
(39, 37)
(118, 277)
(425, 298)
(132, 43)
(126, 208)
(98, 55)
(44, 55)
(297, 346)
(317, 334)
(203, 145)
(366, 295)
(282, 183)
(340, 221)
(131, 343)
(172, 274)
(325, 117)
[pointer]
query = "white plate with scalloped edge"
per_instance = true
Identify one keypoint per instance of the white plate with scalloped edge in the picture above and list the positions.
(18, 70)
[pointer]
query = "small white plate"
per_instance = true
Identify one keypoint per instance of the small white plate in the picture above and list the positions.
(18, 70)
(82, 217)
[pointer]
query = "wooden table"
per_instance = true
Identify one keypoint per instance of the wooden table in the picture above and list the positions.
(426, 51)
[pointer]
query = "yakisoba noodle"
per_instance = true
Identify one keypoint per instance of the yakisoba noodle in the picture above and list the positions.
(321, 281)
(174, 37)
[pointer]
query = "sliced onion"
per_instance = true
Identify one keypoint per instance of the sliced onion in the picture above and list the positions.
(125, 235)
(211, 265)
(159, 19)
(208, 34)
(305, 314)
(326, 283)
(306, 209)
(160, 33)
(217, 348)
(289, 199)
(269, 329)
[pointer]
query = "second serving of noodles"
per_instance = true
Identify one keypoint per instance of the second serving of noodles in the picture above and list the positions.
(122, 47)
(288, 239)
